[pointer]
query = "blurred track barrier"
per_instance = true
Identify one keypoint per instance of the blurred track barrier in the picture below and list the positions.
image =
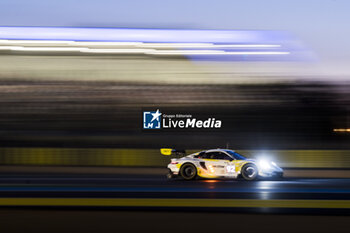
(154, 202)
(152, 157)
(81, 157)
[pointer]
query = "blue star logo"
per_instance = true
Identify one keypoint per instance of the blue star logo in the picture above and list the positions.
(151, 120)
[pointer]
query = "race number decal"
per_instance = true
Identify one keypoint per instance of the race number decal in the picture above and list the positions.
(230, 169)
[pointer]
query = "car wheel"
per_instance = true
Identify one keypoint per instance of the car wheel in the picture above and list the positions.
(250, 172)
(188, 171)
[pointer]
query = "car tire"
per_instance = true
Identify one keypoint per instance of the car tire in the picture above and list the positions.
(188, 171)
(250, 172)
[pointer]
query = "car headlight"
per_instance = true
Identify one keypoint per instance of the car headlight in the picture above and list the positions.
(264, 165)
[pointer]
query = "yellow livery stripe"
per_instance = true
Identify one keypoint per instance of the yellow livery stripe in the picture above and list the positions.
(149, 202)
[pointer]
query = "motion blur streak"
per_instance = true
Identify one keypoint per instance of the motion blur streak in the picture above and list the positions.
(149, 157)
(72, 102)
(341, 130)
(139, 51)
(226, 203)
(140, 44)
(237, 43)
(142, 35)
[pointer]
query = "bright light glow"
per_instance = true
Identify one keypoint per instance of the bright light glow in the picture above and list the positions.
(163, 42)
(98, 43)
(187, 52)
(257, 53)
(74, 49)
(248, 46)
(205, 45)
(212, 52)
(146, 35)
(35, 42)
(125, 51)
(51, 49)
(341, 130)
(273, 163)
(38, 49)
(210, 181)
(139, 44)
(211, 169)
(264, 164)
(9, 47)
(137, 51)
(176, 45)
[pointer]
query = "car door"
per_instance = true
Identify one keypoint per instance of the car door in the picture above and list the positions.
(215, 163)
(230, 165)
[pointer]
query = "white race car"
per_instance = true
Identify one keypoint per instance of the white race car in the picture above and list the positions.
(219, 163)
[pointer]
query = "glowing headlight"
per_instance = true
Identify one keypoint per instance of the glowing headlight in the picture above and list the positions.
(264, 165)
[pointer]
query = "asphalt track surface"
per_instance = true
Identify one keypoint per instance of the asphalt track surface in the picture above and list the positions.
(134, 203)
(49, 220)
(155, 191)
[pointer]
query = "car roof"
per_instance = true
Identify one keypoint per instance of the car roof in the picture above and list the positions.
(216, 150)
(211, 150)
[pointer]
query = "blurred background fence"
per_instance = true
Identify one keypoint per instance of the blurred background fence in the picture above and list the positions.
(152, 157)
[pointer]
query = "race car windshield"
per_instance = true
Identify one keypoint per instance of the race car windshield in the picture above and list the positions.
(236, 155)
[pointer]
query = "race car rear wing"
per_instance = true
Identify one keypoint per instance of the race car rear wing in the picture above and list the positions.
(170, 151)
